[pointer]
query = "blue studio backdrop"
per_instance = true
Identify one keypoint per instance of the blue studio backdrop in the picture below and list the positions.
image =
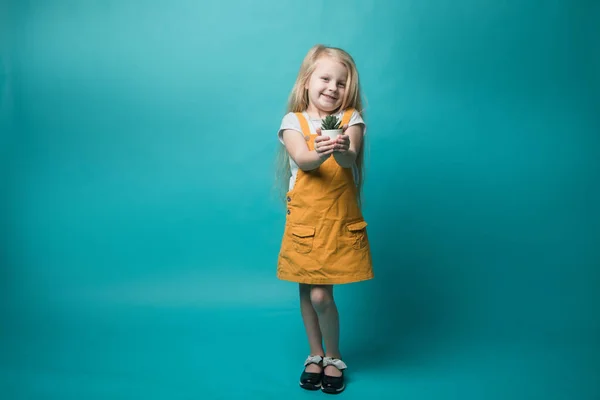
(139, 230)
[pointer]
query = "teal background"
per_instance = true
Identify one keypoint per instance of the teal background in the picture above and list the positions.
(139, 232)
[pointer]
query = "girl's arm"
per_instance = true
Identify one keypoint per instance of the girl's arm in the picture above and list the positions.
(306, 159)
(347, 158)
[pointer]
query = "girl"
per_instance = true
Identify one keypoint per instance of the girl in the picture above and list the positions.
(325, 239)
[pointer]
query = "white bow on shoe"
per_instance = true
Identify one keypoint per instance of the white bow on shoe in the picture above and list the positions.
(313, 360)
(339, 364)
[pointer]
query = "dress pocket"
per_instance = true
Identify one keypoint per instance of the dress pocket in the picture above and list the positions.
(357, 234)
(303, 237)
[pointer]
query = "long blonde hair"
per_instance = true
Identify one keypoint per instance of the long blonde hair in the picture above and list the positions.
(298, 102)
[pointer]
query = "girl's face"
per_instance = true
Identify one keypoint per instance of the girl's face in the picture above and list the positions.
(326, 86)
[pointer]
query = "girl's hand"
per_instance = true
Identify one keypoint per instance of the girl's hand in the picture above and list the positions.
(323, 145)
(342, 143)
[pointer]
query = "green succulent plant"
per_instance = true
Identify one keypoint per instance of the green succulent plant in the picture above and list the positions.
(330, 122)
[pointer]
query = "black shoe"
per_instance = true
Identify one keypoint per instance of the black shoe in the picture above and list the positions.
(311, 380)
(333, 384)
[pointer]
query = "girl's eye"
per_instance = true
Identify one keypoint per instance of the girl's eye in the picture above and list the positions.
(342, 85)
(325, 79)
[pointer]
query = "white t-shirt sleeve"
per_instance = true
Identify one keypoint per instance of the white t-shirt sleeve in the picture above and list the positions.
(289, 121)
(356, 119)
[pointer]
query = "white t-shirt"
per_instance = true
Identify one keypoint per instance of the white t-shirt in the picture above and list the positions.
(290, 121)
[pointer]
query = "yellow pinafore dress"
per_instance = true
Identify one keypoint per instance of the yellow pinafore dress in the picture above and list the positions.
(325, 237)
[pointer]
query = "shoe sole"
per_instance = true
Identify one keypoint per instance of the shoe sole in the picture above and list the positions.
(333, 391)
(310, 387)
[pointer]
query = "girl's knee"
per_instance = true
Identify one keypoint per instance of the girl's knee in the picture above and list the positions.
(321, 297)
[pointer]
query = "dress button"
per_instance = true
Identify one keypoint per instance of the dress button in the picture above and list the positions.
(288, 199)
(289, 212)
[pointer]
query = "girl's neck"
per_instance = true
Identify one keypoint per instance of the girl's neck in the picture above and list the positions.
(314, 112)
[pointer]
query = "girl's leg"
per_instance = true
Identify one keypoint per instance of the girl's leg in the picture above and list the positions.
(311, 324)
(321, 297)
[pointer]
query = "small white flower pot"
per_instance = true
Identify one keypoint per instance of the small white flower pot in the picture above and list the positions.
(332, 133)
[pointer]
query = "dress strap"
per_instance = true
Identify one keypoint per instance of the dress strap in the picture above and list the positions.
(346, 117)
(303, 124)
